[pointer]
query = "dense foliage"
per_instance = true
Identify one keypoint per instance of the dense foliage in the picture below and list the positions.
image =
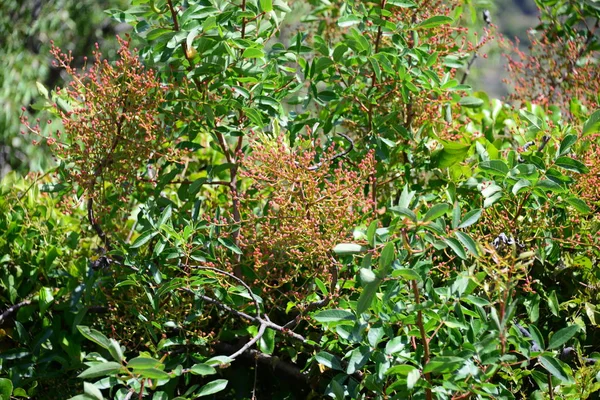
(239, 213)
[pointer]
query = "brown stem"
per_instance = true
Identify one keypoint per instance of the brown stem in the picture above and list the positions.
(424, 340)
(96, 226)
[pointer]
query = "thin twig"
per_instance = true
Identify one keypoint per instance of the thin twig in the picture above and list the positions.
(261, 331)
(248, 317)
(239, 280)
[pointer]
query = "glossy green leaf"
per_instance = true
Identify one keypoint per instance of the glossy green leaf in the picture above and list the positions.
(101, 370)
(349, 248)
(92, 391)
(334, 316)
(143, 239)
(95, 336)
(143, 363)
(495, 167)
(366, 297)
(358, 358)
(436, 211)
(202, 369)
(470, 102)
(443, 364)
(406, 273)
(470, 218)
(212, 387)
(553, 366)
(571, 165)
(468, 242)
(562, 336)
(592, 125)
(457, 247)
(433, 22)
(6, 388)
(329, 360)
(579, 205)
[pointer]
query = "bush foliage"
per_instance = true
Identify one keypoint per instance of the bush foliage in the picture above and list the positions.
(239, 213)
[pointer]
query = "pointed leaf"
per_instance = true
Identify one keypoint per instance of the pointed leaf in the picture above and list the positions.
(470, 218)
(436, 211)
(468, 242)
(592, 125)
(562, 336)
(212, 387)
(101, 370)
(456, 247)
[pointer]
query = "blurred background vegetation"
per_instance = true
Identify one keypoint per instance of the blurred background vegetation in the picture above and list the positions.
(28, 26)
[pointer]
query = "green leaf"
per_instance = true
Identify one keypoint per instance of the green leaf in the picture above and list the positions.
(562, 336)
(228, 243)
(165, 216)
(566, 144)
(152, 373)
(46, 299)
(348, 20)
(470, 218)
(433, 22)
(468, 242)
(456, 247)
(101, 370)
(143, 239)
(405, 212)
(349, 248)
(553, 366)
(536, 124)
(436, 211)
(266, 5)
(334, 316)
(329, 360)
(537, 337)
(400, 369)
(6, 389)
(470, 102)
(266, 343)
(579, 205)
(42, 90)
(443, 364)
(550, 185)
(553, 303)
(571, 165)
(95, 336)
(212, 387)
(366, 297)
(202, 369)
(92, 391)
(495, 167)
(114, 348)
(367, 276)
(395, 345)
(358, 358)
(388, 255)
(253, 52)
(521, 183)
(371, 230)
(401, 3)
(412, 378)
(592, 125)
(406, 273)
(143, 363)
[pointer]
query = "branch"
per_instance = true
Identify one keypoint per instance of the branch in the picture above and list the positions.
(250, 343)
(96, 226)
(245, 316)
(221, 272)
(13, 309)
